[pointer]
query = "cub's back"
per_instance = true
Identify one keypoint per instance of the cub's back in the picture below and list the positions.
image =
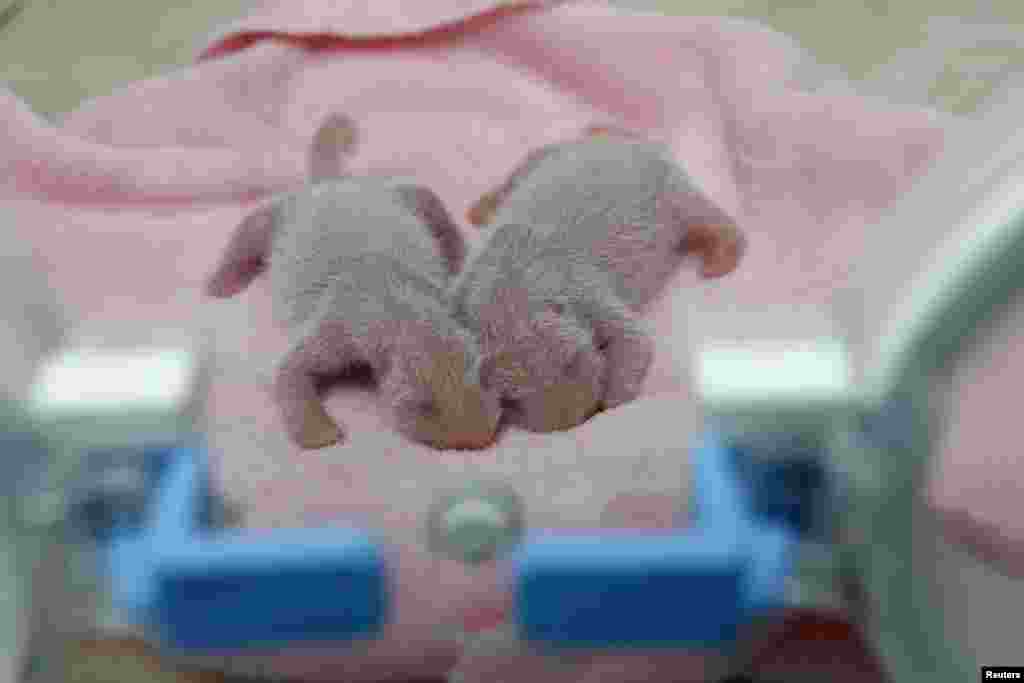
(604, 198)
(346, 229)
(596, 183)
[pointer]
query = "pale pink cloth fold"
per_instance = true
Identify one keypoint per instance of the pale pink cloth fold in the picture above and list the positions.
(130, 200)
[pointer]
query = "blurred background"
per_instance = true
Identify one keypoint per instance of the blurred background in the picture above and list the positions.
(56, 53)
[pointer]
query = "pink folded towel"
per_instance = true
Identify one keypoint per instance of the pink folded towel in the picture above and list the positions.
(130, 200)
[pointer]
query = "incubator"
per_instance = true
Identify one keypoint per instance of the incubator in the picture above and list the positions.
(802, 490)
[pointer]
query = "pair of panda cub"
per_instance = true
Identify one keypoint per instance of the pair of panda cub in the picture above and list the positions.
(538, 329)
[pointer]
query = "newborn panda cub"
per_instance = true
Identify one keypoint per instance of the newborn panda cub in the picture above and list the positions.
(358, 268)
(590, 232)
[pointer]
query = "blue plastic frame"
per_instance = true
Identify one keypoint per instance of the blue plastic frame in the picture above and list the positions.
(198, 589)
(201, 590)
(688, 590)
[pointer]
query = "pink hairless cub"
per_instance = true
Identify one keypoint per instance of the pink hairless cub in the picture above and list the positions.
(622, 218)
(358, 268)
(532, 306)
(558, 339)
(643, 195)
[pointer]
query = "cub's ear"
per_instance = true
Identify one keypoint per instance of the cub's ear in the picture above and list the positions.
(335, 141)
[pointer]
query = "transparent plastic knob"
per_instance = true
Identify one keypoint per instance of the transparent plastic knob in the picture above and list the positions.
(477, 523)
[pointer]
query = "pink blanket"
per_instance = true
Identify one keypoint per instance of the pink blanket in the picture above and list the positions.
(130, 200)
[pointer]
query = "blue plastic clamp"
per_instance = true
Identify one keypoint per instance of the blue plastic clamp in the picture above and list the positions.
(694, 589)
(202, 590)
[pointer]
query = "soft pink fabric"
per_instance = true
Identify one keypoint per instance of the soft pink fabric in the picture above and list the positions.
(131, 199)
(976, 487)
